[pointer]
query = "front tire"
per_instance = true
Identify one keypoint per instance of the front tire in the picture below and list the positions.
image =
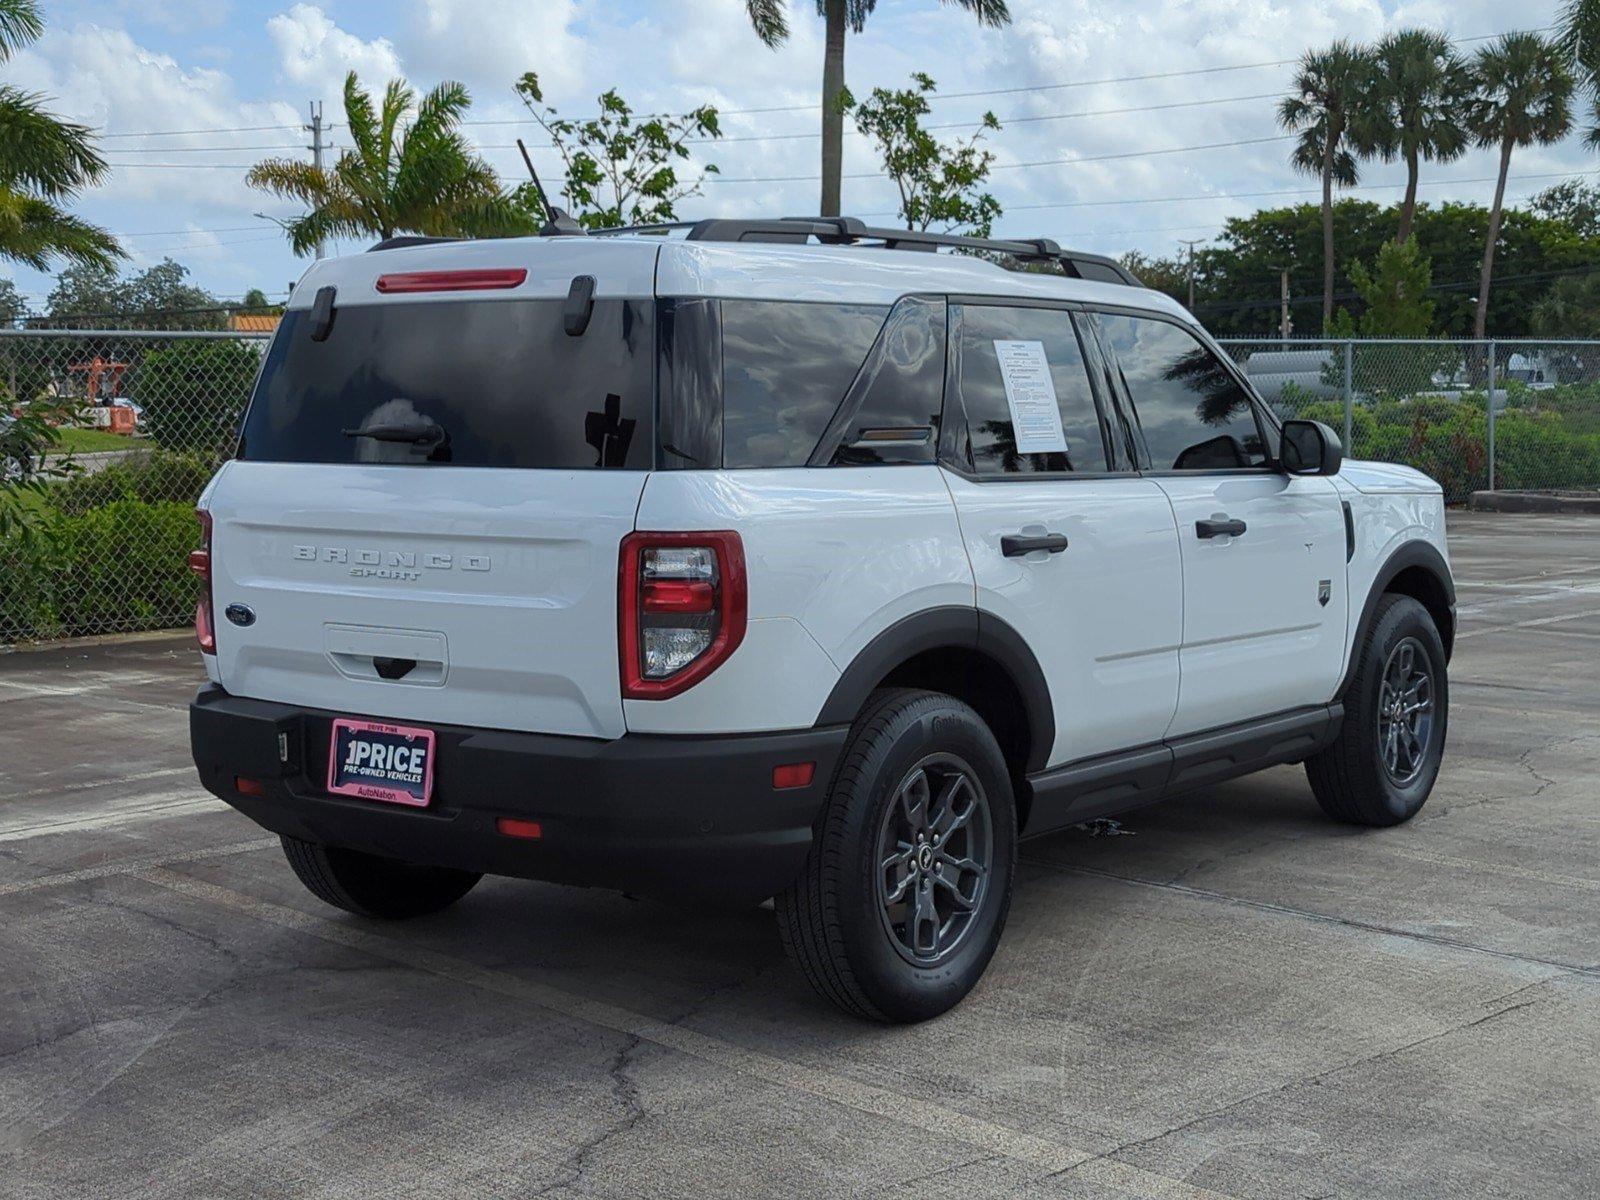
(1381, 768)
(370, 886)
(905, 892)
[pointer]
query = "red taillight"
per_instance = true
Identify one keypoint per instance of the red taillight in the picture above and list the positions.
(205, 627)
(681, 609)
(483, 280)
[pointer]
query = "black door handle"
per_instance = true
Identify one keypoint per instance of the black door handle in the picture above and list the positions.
(1211, 529)
(1014, 545)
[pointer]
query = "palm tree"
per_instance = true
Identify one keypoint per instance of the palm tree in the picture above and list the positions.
(43, 161)
(1415, 107)
(839, 16)
(1580, 38)
(398, 177)
(1328, 88)
(1524, 98)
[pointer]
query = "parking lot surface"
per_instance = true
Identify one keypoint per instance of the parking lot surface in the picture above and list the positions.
(1227, 996)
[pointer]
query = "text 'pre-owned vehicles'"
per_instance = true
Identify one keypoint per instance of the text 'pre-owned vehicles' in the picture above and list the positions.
(786, 559)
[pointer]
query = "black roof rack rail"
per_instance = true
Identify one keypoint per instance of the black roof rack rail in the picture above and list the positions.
(850, 230)
(407, 239)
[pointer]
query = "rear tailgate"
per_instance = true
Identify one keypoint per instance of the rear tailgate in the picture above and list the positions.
(499, 586)
(435, 477)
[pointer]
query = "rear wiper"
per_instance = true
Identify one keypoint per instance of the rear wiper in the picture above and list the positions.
(416, 435)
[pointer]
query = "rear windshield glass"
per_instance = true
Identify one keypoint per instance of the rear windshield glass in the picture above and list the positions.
(495, 383)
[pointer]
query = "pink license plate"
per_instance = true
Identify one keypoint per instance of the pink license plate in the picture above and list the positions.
(379, 761)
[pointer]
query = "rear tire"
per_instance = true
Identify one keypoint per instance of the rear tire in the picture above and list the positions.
(1381, 768)
(905, 892)
(370, 886)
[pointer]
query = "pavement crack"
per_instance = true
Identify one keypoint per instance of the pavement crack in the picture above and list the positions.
(1314, 1078)
(625, 1093)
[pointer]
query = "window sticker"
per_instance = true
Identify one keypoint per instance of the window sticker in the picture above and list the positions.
(1031, 396)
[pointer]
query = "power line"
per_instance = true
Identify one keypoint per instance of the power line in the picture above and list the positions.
(1004, 122)
(203, 149)
(188, 132)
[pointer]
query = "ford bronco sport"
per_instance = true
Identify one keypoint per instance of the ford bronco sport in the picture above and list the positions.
(791, 559)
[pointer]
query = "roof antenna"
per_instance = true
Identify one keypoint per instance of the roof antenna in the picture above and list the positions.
(557, 223)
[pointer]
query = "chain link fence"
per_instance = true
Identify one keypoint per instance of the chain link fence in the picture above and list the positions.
(152, 414)
(1475, 415)
(145, 419)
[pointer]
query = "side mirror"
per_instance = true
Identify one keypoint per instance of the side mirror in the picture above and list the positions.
(1309, 448)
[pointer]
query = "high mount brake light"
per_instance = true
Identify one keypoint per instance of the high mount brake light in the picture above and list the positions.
(681, 609)
(479, 280)
(205, 625)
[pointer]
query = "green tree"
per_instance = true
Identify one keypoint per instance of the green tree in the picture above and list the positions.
(44, 162)
(840, 16)
(1570, 309)
(1571, 202)
(1237, 275)
(939, 183)
(1580, 37)
(1524, 98)
(1328, 88)
(1395, 292)
(1414, 109)
(409, 170)
(620, 168)
(193, 394)
(1169, 275)
(12, 306)
(95, 296)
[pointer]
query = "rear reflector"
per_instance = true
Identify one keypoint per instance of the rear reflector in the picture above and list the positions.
(518, 828)
(249, 787)
(793, 775)
(485, 280)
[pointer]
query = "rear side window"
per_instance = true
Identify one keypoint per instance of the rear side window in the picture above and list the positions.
(1021, 378)
(495, 383)
(785, 368)
(1189, 409)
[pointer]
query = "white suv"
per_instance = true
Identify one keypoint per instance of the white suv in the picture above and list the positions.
(778, 558)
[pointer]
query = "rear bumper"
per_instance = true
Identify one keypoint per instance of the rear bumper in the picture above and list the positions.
(693, 816)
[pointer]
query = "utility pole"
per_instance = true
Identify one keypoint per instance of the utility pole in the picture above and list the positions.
(315, 129)
(1284, 324)
(1191, 244)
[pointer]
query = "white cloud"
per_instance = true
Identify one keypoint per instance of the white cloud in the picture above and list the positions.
(316, 54)
(488, 44)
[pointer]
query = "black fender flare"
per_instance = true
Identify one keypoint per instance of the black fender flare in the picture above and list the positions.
(1410, 554)
(938, 629)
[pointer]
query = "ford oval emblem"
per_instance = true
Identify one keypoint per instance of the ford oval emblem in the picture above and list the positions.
(240, 614)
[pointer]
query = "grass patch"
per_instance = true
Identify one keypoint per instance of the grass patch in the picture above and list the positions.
(90, 441)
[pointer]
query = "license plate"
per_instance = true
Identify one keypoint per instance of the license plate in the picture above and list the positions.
(378, 761)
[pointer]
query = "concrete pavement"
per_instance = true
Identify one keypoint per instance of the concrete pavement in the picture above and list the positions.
(1238, 998)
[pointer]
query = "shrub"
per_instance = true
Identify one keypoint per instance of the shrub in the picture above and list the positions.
(194, 393)
(119, 567)
(160, 476)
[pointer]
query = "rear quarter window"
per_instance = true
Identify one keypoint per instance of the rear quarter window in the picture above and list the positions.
(500, 381)
(785, 368)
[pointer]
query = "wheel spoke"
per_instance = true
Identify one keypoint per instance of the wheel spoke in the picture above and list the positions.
(947, 817)
(914, 801)
(950, 881)
(924, 922)
(904, 873)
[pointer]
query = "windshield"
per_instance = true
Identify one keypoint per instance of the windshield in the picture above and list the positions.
(495, 383)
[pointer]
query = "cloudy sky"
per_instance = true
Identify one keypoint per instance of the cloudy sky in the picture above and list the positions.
(1093, 98)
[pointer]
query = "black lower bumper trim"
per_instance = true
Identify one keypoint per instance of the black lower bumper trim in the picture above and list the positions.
(682, 816)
